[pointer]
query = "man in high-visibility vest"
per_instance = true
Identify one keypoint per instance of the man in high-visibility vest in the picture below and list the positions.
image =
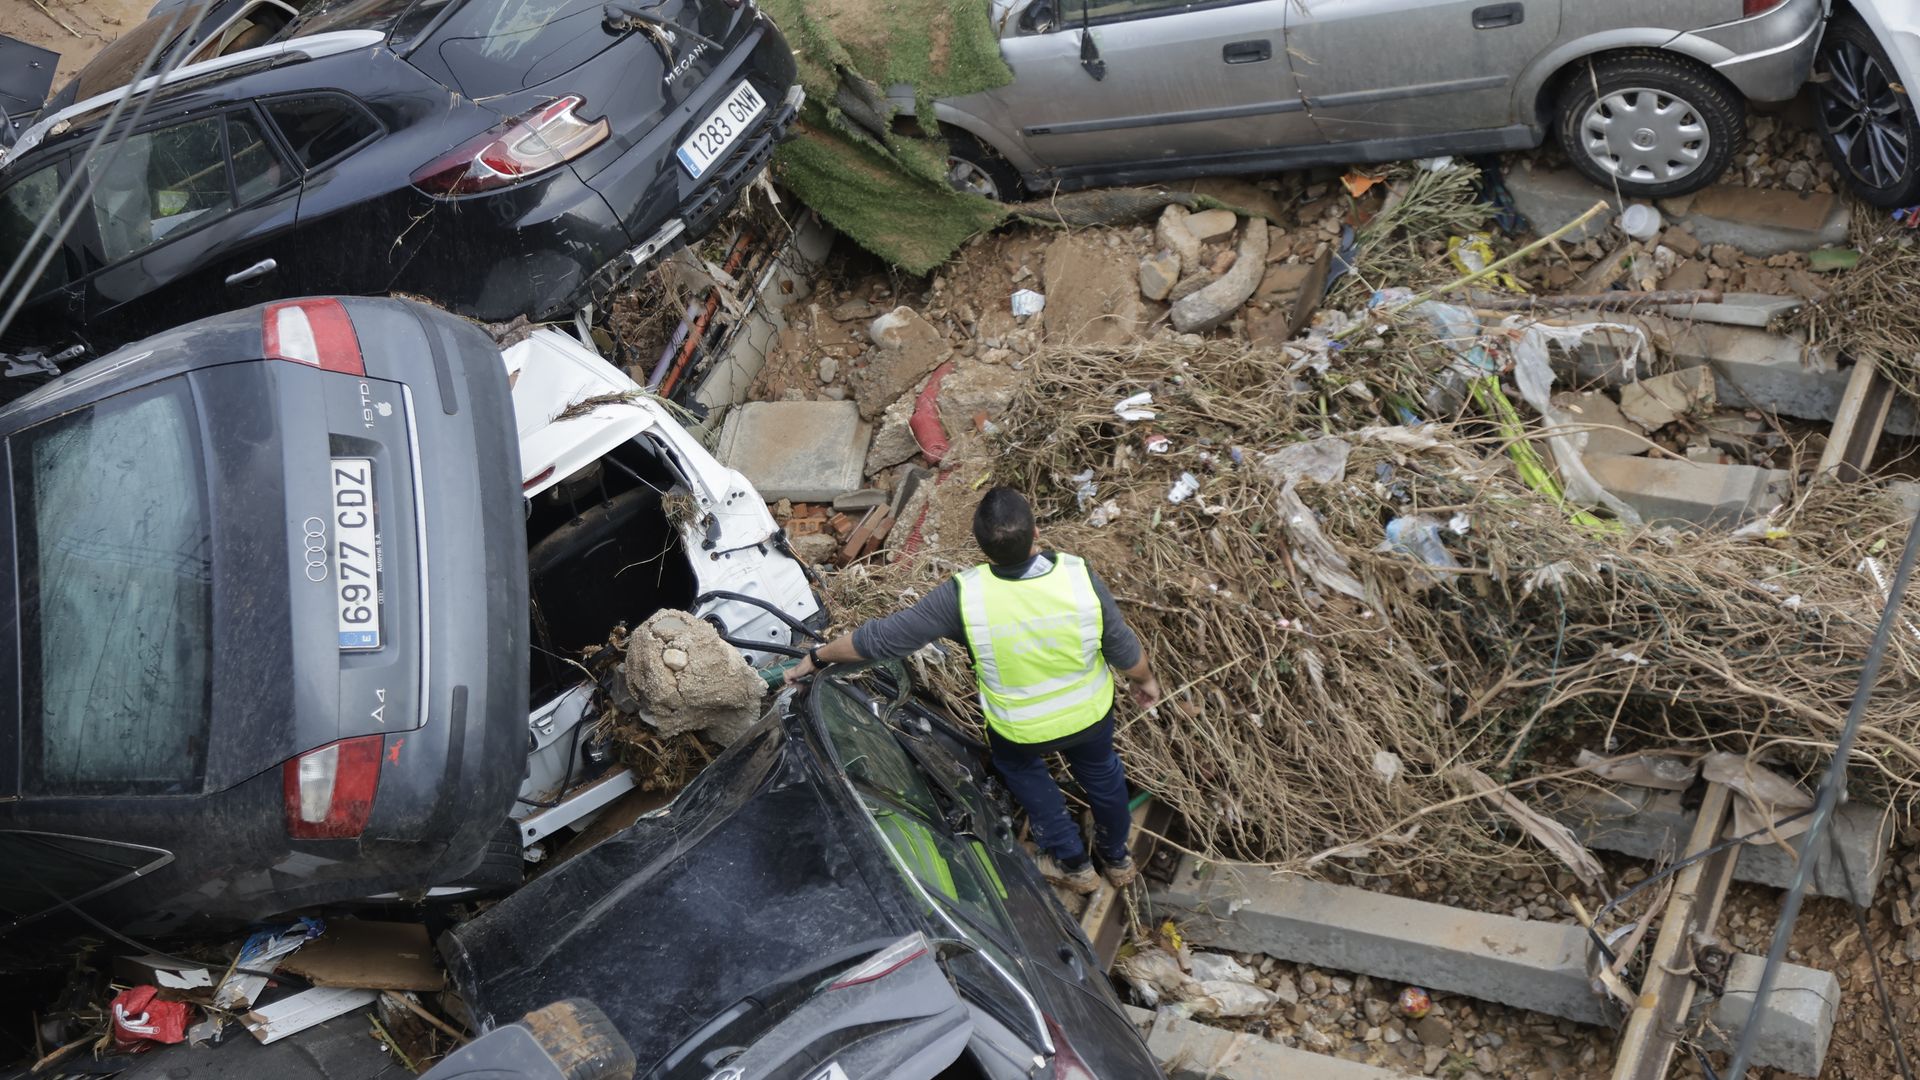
(1046, 638)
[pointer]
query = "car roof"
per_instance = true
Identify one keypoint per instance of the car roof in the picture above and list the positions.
(83, 112)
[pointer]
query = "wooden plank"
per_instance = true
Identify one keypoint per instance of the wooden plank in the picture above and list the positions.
(1655, 1027)
(1858, 424)
(1105, 919)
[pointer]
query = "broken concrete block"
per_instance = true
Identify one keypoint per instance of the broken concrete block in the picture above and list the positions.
(1210, 224)
(1159, 273)
(893, 440)
(1776, 373)
(1768, 221)
(1092, 297)
(1665, 491)
(687, 679)
(807, 451)
(1549, 198)
(1799, 1019)
(1689, 275)
(974, 389)
(910, 348)
(1172, 234)
(1217, 302)
(1659, 400)
(1289, 292)
(1734, 309)
(814, 549)
(1612, 435)
(1189, 1050)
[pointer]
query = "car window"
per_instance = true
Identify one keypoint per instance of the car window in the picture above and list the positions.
(21, 208)
(255, 26)
(174, 178)
(1116, 10)
(115, 581)
(948, 870)
(870, 753)
(322, 128)
(489, 47)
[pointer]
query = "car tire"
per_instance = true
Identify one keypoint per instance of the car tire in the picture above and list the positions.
(977, 170)
(582, 1043)
(1860, 114)
(502, 866)
(1679, 121)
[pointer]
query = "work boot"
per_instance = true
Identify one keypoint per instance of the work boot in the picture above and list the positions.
(1082, 881)
(1122, 873)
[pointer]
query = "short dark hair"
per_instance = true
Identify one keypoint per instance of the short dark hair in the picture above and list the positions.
(1003, 526)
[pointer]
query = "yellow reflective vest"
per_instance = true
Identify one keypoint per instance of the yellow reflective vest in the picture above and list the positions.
(1036, 650)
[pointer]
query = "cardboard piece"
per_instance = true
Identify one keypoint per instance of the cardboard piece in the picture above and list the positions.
(370, 955)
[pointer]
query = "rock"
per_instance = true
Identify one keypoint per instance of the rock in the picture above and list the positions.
(910, 348)
(1208, 224)
(1681, 241)
(1658, 400)
(829, 369)
(854, 309)
(1092, 297)
(1434, 1030)
(1804, 286)
(1285, 989)
(713, 691)
(1214, 304)
(1594, 407)
(1158, 274)
(1191, 284)
(1221, 263)
(1171, 233)
(893, 440)
(1691, 274)
(814, 548)
(974, 389)
(1725, 255)
(1289, 294)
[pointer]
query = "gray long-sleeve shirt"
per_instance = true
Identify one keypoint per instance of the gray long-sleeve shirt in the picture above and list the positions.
(937, 616)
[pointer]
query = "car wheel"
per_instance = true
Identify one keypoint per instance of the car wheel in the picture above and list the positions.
(502, 867)
(1649, 123)
(976, 170)
(581, 1041)
(1867, 122)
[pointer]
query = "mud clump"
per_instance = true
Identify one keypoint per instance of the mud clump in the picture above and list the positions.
(687, 679)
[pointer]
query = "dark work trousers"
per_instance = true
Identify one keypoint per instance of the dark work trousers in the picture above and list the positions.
(1095, 765)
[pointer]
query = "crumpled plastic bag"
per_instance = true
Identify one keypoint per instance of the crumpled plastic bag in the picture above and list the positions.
(1533, 373)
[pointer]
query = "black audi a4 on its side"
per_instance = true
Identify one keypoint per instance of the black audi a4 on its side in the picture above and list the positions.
(245, 658)
(497, 157)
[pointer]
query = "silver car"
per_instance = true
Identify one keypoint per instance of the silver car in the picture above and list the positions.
(1647, 96)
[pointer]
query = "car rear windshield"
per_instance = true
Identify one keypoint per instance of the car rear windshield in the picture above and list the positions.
(491, 47)
(116, 596)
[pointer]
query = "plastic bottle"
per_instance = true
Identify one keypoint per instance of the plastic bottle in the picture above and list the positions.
(1640, 221)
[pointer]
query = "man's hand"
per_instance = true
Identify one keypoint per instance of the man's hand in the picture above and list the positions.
(799, 671)
(1146, 692)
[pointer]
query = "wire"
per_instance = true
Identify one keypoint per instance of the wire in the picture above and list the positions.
(1824, 802)
(65, 198)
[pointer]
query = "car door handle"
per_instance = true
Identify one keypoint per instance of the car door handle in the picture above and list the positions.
(1247, 52)
(1494, 16)
(253, 273)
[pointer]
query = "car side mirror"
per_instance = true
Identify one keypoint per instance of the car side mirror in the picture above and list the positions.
(1040, 17)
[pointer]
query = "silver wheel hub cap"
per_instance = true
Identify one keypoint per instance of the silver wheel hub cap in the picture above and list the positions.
(1645, 135)
(965, 176)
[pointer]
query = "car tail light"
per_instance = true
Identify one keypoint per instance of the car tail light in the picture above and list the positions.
(1760, 7)
(316, 332)
(548, 136)
(885, 962)
(329, 791)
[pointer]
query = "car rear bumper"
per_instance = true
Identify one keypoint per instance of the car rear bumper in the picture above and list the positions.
(1767, 57)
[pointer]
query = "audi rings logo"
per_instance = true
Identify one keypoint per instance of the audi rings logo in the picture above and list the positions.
(316, 548)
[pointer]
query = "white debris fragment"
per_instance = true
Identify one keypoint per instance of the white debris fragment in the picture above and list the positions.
(1135, 408)
(1026, 302)
(1183, 489)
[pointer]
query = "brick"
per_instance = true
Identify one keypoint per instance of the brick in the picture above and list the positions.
(1194, 1051)
(807, 451)
(1648, 824)
(1530, 965)
(1665, 491)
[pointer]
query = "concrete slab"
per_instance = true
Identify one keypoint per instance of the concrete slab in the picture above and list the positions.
(1665, 491)
(1757, 221)
(787, 280)
(1193, 1051)
(1530, 965)
(1735, 309)
(1649, 824)
(1612, 433)
(807, 451)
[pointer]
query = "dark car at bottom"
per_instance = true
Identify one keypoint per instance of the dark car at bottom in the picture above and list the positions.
(500, 158)
(839, 895)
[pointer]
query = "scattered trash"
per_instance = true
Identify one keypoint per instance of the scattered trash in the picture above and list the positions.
(1824, 260)
(1157, 443)
(1552, 835)
(1473, 253)
(1443, 163)
(1083, 488)
(1419, 536)
(1640, 221)
(1414, 1003)
(1135, 407)
(1663, 771)
(1183, 488)
(1026, 302)
(259, 956)
(369, 955)
(291, 1015)
(1386, 765)
(1322, 460)
(1104, 514)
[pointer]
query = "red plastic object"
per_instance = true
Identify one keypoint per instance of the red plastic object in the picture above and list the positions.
(139, 1020)
(1415, 1003)
(926, 417)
